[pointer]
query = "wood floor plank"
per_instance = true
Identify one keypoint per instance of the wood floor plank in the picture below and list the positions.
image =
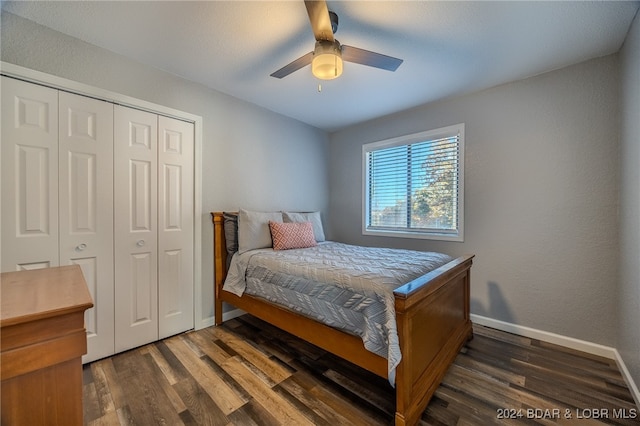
(489, 370)
(494, 394)
(341, 399)
(164, 380)
(439, 414)
(579, 354)
(550, 370)
(177, 369)
(293, 344)
(220, 393)
(201, 408)
(145, 399)
(253, 414)
(329, 402)
(300, 405)
(571, 397)
(227, 378)
(90, 408)
(188, 419)
(105, 400)
(492, 333)
(264, 337)
(247, 372)
(206, 341)
(164, 366)
(590, 387)
(254, 355)
(383, 400)
(469, 409)
(125, 417)
(354, 414)
(108, 419)
(263, 394)
(112, 382)
(299, 386)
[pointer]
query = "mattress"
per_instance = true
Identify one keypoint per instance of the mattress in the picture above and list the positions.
(344, 286)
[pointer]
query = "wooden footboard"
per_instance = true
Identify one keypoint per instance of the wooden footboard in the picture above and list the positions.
(432, 315)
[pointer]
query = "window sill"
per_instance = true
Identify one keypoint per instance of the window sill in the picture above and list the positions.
(414, 235)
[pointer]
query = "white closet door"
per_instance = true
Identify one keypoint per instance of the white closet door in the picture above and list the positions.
(175, 226)
(86, 209)
(29, 176)
(136, 254)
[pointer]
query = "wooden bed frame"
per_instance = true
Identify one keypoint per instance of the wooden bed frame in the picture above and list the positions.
(432, 314)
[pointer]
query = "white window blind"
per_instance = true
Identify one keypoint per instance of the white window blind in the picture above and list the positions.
(414, 184)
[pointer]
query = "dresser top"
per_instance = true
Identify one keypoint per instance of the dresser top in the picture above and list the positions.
(42, 293)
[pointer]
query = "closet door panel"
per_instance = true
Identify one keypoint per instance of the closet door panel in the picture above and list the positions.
(29, 176)
(175, 223)
(136, 242)
(86, 209)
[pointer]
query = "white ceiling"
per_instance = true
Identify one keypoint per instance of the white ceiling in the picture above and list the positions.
(448, 47)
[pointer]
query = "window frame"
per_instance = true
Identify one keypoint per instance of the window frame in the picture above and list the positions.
(443, 132)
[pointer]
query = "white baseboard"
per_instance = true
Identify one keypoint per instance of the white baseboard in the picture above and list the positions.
(205, 322)
(545, 336)
(568, 342)
(226, 316)
(627, 378)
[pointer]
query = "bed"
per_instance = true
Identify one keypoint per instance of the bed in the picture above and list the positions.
(431, 319)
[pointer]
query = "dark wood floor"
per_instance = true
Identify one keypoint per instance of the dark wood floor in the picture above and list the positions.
(250, 373)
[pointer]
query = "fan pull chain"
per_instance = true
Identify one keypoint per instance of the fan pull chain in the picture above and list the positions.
(319, 87)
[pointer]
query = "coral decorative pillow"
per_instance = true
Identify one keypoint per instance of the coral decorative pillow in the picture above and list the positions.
(292, 235)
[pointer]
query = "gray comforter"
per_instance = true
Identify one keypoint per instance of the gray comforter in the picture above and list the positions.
(344, 286)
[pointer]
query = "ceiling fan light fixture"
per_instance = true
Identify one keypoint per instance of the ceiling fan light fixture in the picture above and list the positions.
(327, 60)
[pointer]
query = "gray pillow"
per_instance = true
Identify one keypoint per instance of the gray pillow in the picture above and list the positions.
(253, 229)
(313, 217)
(230, 234)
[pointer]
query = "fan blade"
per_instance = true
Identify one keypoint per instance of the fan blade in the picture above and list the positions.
(302, 61)
(372, 59)
(319, 19)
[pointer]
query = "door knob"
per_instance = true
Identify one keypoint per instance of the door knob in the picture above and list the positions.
(140, 243)
(81, 247)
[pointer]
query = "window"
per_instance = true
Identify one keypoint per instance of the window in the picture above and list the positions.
(414, 185)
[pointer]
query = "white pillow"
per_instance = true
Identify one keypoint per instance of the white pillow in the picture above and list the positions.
(313, 217)
(253, 229)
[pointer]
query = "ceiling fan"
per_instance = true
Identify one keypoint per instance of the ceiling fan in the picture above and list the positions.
(328, 55)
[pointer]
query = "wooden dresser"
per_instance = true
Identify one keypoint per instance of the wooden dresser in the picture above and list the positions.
(42, 339)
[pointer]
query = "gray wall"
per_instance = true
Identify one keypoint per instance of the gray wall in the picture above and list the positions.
(541, 193)
(251, 157)
(629, 287)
